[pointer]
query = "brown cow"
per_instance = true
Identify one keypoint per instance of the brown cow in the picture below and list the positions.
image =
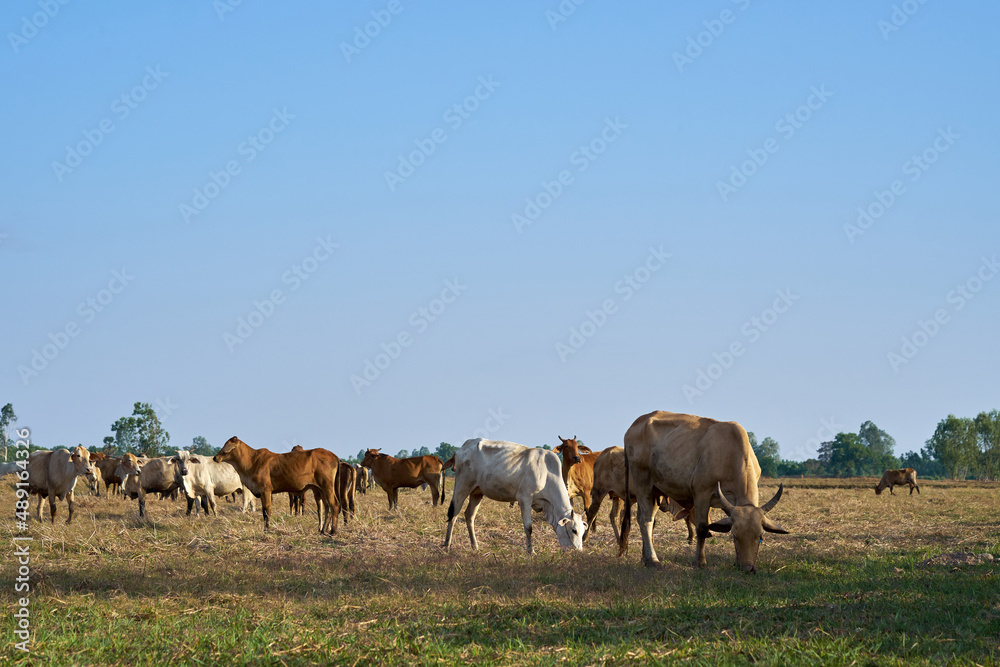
(345, 486)
(392, 474)
(577, 469)
(297, 501)
(609, 480)
(265, 473)
(108, 465)
(891, 478)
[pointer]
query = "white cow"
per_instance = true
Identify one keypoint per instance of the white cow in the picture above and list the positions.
(201, 477)
(53, 475)
(509, 472)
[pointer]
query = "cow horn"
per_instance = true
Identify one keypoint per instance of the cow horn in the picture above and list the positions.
(727, 506)
(769, 505)
(561, 439)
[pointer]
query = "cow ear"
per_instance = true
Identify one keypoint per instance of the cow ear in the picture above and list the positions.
(722, 525)
(585, 449)
(194, 459)
(175, 460)
(772, 527)
(558, 449)
(563, 521)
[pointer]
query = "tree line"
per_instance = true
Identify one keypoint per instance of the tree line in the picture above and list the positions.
(959, 448)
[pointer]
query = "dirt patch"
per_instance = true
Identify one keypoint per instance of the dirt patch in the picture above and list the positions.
(960, 558)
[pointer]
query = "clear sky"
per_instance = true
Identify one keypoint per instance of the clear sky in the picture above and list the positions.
(545, 224)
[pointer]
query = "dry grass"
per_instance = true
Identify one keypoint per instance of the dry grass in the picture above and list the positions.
(849, 584)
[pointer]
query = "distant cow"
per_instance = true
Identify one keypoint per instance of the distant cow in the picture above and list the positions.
(53, 475)
(694, 461)
(145, 476)
(508, 472)
(10, 467)
(108, 466)
(577, 469)
(891, 478)
(393, 474)
(609, 480)
(345, 489)
(201, 477)
(361, 478)
(266, 473)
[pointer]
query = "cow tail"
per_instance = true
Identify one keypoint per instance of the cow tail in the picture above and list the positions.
(338, 494)
(627, 519)
(442, 486)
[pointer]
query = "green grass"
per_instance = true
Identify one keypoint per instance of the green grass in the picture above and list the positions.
(846, 587)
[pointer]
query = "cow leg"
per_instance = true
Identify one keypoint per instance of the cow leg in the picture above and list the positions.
(891, 493)
(592, 511)
(646, 508)
(69, 504)
(586, 500)
(526, 520)
(265, 507)
(333, 501)
(702, 506)
(690, 527)
(431, 482)
(211, 503)
(38, 508)
(52, 507)
(614, 514)
(470, 518)
(458, 496)
(388, 493)
(394, 499)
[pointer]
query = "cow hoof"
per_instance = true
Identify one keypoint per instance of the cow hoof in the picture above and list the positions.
(654, 564)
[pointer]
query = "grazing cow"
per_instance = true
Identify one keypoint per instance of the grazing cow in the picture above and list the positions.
(609, 480)
(891, 478)
(265, 473)
(577, 469)
(509, 472)
(144, 476)
(694, 460)
(201, 477)
(108, 466)
(392, 474)
(53, 475)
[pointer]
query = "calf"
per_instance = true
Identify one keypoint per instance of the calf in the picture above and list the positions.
(891, 478)
(265, 473)
(609, 480)
(201, 477)
(509, 472)
(108, 465)
(577, 469)
(393, 474)
(53, 475)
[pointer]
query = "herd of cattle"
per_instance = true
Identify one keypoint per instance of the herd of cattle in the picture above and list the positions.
(676, 463)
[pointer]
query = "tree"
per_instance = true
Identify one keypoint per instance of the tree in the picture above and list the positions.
(109, 445)
(199, 445)
(7, 420)
(849, 457)
(988, 432)
(361, 454)
(955, 445)
(423, 451)
(403, 454)
(926, 466)
(445, 451)
(880, 445)
(142, 433)
(768, 456)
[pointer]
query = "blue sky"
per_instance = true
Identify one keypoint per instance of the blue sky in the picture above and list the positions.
(729, 145)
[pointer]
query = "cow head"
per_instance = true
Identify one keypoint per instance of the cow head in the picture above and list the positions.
(81, 461)
(371, 455)
(228, 451)
(569, 450)
(747, 524)
(570, 530)
(878, 489)
(183, 461)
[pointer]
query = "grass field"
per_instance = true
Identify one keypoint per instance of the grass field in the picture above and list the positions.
(849, 586)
